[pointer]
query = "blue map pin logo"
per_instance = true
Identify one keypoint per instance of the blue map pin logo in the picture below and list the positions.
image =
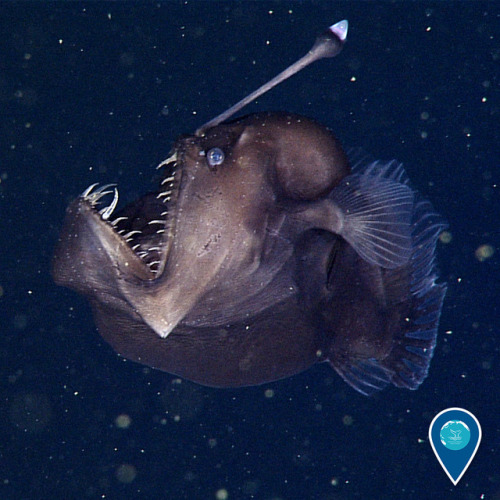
(455, 435)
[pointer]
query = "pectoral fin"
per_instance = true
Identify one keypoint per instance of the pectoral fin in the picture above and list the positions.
(372, 211)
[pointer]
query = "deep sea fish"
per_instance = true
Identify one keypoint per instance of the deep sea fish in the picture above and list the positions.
(263, 252)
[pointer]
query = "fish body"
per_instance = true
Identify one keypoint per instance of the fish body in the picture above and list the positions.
(262, 253)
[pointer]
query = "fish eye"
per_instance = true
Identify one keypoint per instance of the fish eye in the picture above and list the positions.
(215, 156)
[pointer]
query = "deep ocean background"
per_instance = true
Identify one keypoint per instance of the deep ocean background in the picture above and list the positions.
(98, 92)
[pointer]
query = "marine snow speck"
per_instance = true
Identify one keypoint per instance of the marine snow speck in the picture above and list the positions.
(263, 252)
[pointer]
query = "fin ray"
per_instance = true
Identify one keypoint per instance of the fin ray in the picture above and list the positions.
(377, 206)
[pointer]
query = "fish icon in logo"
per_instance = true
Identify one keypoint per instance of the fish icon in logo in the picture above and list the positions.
(455, 435)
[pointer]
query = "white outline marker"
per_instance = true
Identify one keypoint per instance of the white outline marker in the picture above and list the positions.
(436, 452)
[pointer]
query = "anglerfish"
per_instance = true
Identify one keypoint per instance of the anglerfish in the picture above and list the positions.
(262, 252)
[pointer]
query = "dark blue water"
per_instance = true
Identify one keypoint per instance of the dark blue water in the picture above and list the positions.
(97, 93)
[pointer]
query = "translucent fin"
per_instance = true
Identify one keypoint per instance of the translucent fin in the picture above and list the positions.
(377, 206)
(412, 354)
(427, 226)
(366, 376)
(407, 365)
(414, 334)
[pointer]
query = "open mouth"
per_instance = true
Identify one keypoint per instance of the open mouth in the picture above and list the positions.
(148, 224)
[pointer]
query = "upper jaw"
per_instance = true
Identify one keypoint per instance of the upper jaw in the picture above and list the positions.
(169, 194)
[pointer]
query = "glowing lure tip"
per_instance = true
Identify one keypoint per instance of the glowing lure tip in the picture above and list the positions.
(340, 29)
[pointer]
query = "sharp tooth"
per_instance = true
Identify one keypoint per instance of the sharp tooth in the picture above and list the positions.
(129, 235)
(168, 179)
(119, 219)
(106, 212)
(93, 197)
(99, 193)
(164, 193)
(89, 190)
(171, 159)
